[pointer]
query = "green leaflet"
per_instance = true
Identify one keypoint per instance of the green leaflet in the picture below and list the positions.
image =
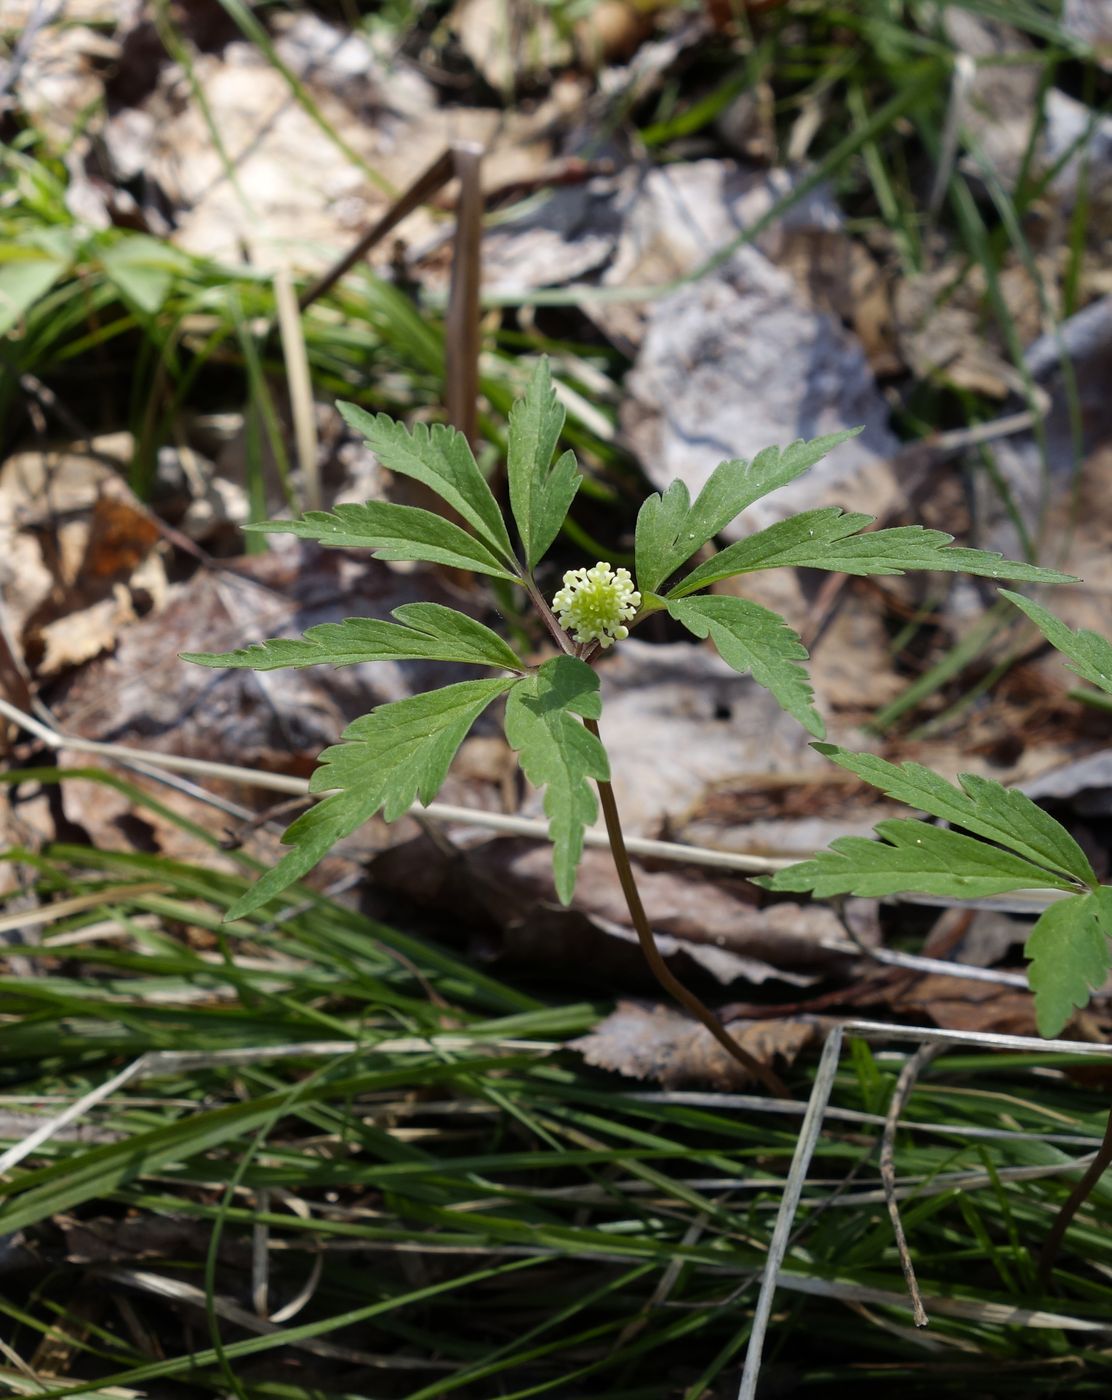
(670, 529)
(393, 532)
(440, 458)
(141, 268)
(29, 270)
(913, 857)
(1070, 954)
(754, 639)
(540, 497)
(829, 539)
(559, 754)
(388, 759)
(979, 805)
(423, 632)
(1088, 653)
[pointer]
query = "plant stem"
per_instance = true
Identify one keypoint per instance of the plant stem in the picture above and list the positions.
(1099, 1165)
(663, 974)
(559, 636)
(1085, 696)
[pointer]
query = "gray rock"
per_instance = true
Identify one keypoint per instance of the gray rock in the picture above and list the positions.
(737, 362)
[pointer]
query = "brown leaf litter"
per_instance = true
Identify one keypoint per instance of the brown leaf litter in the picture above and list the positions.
(658, 1043)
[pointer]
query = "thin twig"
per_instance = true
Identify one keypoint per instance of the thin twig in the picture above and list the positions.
(260, 1255)
(1032, 902)
(1099, 1165)
(964, 73)
(423, 188)
(912, 962)
(666, 1284)
(904, 1085)
(789, 1203)
(982, 1040)
(46, 1130)
(42, 14)
(663, 974)
(439, 811)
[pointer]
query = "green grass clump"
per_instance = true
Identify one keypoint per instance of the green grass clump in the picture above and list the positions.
(478, 1212)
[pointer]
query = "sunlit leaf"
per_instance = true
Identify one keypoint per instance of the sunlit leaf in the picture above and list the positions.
(1088, 653)
(670, 529)
(392, 532)
(142, 269)
(559, 754)
(1070, 955)
(540, 493)
(387, 759)
(753, 639)
(978, 805)
(913, 857)
(423, 632)
(829, 539)
(29, 270)
(441, 459)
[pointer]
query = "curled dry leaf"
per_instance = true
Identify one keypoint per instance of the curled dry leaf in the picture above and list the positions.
(658, 1043)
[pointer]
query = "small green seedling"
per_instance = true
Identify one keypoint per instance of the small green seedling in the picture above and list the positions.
(399, 753)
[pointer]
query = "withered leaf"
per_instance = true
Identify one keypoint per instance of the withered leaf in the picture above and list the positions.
(657, 1042)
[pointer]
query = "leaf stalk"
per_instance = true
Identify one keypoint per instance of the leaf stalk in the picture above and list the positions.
(660, 969)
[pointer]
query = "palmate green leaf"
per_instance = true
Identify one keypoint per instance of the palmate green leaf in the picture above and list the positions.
(393, 532)
(829, 539)
(978, 805)
(540, 494)
(1070, 955)
(559, 754)
(913, 857)
(423, 632)
(440, 458)
(1088, 653)
(670, 529)
(388, 759)
(754, 639)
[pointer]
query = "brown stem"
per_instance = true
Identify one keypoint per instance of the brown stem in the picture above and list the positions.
(660, 969)
(1099, 1165)
(423, 188)
(463, 322)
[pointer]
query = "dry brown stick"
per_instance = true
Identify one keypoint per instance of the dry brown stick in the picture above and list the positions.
(420, 192)
(461, 325)
(660, 969)
(900, 1095)
(1097, 1167)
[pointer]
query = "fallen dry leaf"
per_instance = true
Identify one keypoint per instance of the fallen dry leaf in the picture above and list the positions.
(498, 895)
(656, 1042)
(80, 558)
(960, 1004)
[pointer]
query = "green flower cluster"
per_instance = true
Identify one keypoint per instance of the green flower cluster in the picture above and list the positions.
(594, 604)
